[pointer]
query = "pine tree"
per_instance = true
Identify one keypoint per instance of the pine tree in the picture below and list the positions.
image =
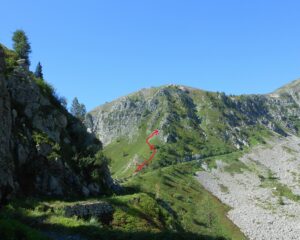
(78, 110)
(39, 71)
(21, 46)
(75, 107)
(82, 110)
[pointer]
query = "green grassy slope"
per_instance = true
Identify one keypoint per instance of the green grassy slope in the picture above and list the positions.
(166, 203)
(195, 123)
(200, 123)
(195, 209)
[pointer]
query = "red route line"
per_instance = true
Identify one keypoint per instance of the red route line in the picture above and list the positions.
(152, 148)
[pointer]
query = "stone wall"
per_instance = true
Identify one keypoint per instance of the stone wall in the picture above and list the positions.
(100, 210)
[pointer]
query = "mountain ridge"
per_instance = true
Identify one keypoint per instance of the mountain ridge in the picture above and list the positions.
(288, 85)
(208, 119)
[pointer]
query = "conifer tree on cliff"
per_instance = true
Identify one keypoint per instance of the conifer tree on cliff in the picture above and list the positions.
(39, 71)
(21, 46)
(78, 110)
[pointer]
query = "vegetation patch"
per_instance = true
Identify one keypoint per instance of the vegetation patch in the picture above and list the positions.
(231, 162)
(194, 209)
(279, 189)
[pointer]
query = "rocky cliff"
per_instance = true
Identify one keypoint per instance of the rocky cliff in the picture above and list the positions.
(7, 184)
(43, 149)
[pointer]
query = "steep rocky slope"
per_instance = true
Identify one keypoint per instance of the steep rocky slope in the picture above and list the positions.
(196, 123)
(43, 149)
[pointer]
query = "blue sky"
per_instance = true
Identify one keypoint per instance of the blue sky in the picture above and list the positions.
(100, 50)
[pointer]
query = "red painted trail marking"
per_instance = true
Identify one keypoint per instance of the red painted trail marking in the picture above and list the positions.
(152, 148)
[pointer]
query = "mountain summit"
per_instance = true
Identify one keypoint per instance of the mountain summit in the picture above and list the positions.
(291, 90)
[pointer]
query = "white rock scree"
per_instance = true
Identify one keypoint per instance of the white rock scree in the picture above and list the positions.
(256, 209)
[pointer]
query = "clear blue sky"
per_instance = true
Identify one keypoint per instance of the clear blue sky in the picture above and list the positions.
(100, 50)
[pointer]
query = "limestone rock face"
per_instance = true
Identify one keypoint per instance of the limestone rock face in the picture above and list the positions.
(124, 116)
(107, 122)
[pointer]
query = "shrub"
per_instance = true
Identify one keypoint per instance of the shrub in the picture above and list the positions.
(39, 138)
(45, 87)
(42, 138)
(92, 167)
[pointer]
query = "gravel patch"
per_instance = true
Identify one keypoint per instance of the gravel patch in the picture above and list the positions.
(256, 209)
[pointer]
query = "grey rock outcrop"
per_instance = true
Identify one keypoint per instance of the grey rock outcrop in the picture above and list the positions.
(40, 141)
(216, 115)
(7, 185)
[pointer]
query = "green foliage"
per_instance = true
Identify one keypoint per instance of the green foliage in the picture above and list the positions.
(133, 214)
(257, 135)
(21, 45)
(10, 58)
(39, 71)
(42, 138)
(77, 109)
(138, 212)
(136, 216)
(49, 91)
(231, 160)
(146, 113)
(223, 188)
(11, 229)
(191, 206)
(93, 167)
(55, 153)
(279, 189)
(45, 87)
(122, 151)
